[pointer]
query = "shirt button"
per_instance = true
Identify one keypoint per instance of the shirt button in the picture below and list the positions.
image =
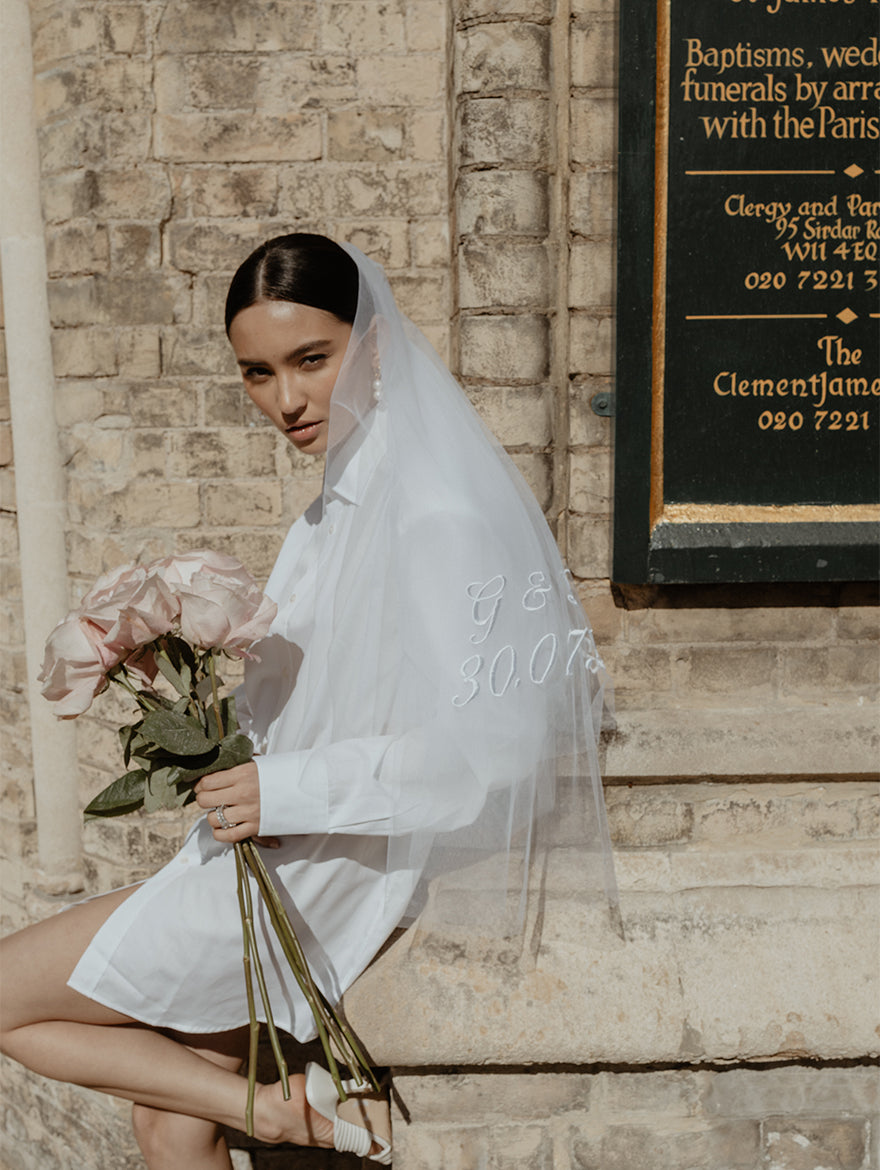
(293, 597)
(332, 529)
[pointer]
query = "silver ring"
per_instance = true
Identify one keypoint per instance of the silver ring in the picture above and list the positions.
(221, 817)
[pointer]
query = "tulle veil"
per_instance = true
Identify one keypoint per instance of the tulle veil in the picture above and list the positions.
(472, 656)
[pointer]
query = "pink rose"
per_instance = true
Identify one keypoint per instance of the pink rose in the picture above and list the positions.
(221, 605)
(73, 669)
(129, 607)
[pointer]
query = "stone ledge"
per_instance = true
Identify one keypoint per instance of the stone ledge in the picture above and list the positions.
(840, 740)
(745, 952)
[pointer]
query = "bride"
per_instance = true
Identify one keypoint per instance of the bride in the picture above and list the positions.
(427, 702)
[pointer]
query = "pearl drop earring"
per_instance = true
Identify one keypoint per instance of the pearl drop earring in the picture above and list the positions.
(376, 385)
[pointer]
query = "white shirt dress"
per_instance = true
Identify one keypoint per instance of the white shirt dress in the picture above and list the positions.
(171, 954)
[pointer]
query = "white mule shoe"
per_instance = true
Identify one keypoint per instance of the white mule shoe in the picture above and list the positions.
(358, 1122)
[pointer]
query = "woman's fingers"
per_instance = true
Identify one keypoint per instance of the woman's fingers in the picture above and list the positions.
(237, 792)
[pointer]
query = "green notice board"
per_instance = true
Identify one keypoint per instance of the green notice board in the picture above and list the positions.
(747, 433)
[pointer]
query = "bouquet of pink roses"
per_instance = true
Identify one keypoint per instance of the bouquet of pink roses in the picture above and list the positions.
(175, 617)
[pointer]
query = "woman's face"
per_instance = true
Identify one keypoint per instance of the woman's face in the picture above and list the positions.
(289, 355)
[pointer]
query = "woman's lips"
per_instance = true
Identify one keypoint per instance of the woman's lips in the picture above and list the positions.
(304, 431)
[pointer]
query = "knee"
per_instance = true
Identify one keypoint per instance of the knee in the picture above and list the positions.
(163, 1135)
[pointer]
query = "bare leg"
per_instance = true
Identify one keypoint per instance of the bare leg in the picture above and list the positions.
(173, 1141)
(59, 1033)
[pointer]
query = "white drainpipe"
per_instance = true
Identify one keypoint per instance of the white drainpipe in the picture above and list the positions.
(39, 478)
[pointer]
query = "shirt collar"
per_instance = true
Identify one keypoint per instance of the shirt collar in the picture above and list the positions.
(367, 446)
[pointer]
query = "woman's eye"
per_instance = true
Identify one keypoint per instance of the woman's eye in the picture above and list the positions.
(254, 372)
(313, 359)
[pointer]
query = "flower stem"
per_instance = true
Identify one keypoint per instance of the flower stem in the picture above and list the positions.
(215, 697)
(331, 1030)
(248, 926)
(254, 1035)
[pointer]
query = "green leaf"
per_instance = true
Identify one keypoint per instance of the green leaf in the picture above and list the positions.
(179, 734)
(161, 790)
(174, 676)
(122, 796)
(234, 749)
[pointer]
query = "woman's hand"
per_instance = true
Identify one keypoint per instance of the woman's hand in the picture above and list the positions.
(238, 790)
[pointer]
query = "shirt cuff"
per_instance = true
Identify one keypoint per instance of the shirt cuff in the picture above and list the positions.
(294, 794)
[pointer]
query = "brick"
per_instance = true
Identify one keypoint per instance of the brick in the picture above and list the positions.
(789, 1092)
(593, 208)
(95, 452)
(365, 135)
(858, 624)
(307, 191)
(242, 502)
(127, 137)
(214, 454)
(134, 247)
(363, 26)
(141, 193)
(649, 820)
(586, 428)
(138, 352)
(80, 247)
(83, 353)
(162, 406)
(382, 240)
(593, 140)
(427, 136)
(209, 296)
(426, 24)
(479, 1098)
(516, 415)
(122, 28)
(515, 1146)
(505, 349)
(207, 247)
(151, 298)
(589, 548)
(529, 9)
(537, 471)
(233, 191)
(308, 82)
(64, 33)
(505, 56)
(196, 351)
(227, 81)
(430, 243)
(590, 344)
(460, 1149)
(814, 1144)
(237, 26)
(138, 505)
(591, 277)
(499, 130)
(394, 189)
(592, 48)
(503, 201)
(70, 142)
(835, 668)
(590, 486)
(646, 673)
(228, 138)
(734, 1146)
(749, 674)
(422, 298)
(147, 454)
(503, 273)
(416, 79)
(721, 624)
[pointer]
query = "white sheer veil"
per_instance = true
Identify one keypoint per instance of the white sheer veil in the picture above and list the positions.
(477, 661)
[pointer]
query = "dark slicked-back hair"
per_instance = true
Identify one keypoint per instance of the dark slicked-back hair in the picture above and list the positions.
(304, 268)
